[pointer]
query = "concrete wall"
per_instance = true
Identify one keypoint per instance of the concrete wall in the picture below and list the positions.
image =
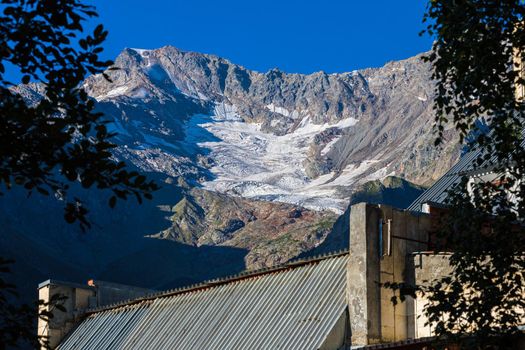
(77, 299)
(337, 338)
(408, 233)
(427, 267)
(110, 293)
(519, 89)
(373, 229)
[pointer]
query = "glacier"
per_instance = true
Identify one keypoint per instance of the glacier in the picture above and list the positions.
(308, 140)
(253, 164)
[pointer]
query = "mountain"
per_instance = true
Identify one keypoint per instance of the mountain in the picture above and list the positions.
(392, 190)
(256, 168)
(301, 139)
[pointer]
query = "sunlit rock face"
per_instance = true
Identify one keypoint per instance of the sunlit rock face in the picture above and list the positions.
(255, 167)
(301, 139)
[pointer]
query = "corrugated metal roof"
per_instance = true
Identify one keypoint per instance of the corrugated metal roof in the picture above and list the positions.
(293, 307)
(437, 193)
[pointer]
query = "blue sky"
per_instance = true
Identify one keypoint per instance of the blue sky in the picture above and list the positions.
(295, 36)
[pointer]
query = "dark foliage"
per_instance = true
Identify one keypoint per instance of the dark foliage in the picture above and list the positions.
(476, 60)
(17, 326)
(16, 321)
(47, 145)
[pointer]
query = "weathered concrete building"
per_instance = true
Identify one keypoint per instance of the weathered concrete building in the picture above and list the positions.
(329, 302)
(78, 298)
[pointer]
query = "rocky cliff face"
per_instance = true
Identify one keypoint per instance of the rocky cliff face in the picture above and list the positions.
(271, 233)
(301, 139)
(256, 167)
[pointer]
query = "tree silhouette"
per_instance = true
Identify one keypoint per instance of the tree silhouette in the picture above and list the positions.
(58, 139)
(477, 64)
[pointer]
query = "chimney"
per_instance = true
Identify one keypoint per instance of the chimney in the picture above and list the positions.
(363, 274)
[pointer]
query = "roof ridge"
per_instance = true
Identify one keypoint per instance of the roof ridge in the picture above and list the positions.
(245, 274)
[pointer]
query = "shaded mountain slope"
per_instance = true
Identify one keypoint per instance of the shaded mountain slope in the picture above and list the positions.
(256, 168)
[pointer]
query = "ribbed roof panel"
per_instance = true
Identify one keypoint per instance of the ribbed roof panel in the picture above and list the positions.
(437, 193)
(290, 308)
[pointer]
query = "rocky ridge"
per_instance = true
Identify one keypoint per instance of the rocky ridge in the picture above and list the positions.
(274, 136)
(255, 167)
(271, 233)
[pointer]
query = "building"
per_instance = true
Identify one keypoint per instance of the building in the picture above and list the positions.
(328, 302)
(77, 299)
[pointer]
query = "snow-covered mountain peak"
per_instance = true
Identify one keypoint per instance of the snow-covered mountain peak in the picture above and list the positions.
(218, 136)
(302, 139)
